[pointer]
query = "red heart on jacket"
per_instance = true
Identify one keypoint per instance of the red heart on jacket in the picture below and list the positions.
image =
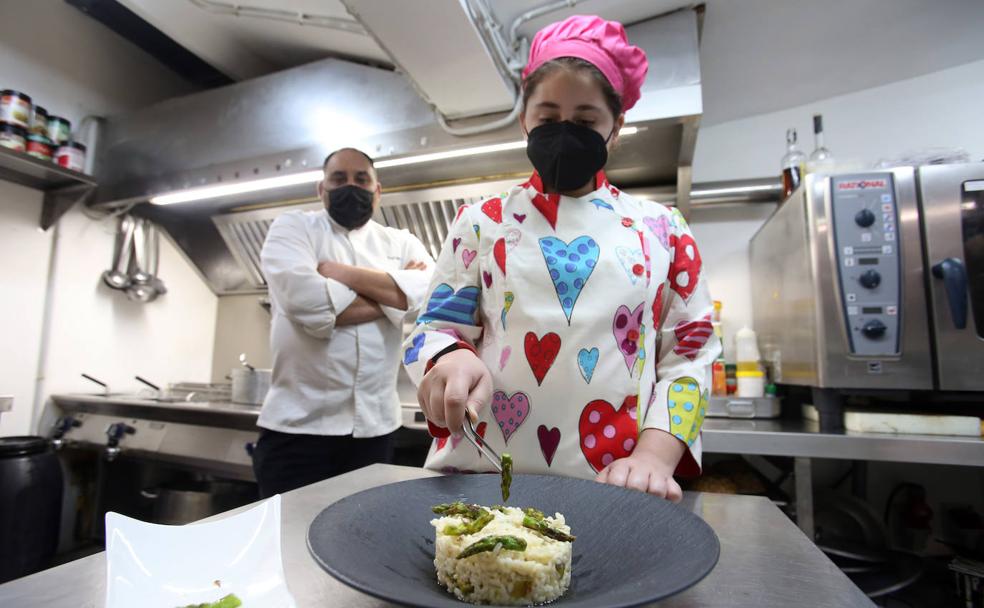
(493, 209)
(691, 336)
(480, 431)
(499, 252)
(685, 269)
(658, 305)
(549, 440)
(607, 435)
(541, 353)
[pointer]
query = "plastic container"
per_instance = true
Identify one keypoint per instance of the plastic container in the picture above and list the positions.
(729, 378)
(59, 130)
(30, 505)
(13, 137)
(39, 121)
(751, 385)
(71, 156)
(719, 379)
(746, 350)
(15, 108)
(39, 147)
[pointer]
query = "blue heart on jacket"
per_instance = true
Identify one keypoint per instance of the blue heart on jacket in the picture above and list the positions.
(446, 304)
(413, 353)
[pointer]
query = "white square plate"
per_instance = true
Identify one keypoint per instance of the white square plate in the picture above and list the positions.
(155, 566)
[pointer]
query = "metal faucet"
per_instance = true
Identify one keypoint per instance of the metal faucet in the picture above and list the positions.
(115, 433)
(63, 425)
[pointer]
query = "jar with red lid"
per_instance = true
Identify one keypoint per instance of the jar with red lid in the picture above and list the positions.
(15, 108)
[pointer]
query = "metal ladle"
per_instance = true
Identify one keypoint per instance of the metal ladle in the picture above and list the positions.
(116, 277)
(141, 287)
(242, 360)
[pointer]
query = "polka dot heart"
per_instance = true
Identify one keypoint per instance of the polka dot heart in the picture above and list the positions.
(626, 327)
(570, 266)
(686, 408)
(606, 434)
(510, 412)
(685, 269)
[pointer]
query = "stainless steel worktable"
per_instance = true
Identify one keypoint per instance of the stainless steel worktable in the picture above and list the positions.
(797, 438)
(802, 438)
(765, 560)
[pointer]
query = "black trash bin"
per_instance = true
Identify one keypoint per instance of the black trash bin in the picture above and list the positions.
(30, 505)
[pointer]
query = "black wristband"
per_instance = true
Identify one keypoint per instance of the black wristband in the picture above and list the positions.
(450, 348)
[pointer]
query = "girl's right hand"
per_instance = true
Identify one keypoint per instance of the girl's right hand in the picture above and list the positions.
(459, 381)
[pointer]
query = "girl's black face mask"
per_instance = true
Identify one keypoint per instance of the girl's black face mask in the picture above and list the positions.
(567, 155)
(350, 206)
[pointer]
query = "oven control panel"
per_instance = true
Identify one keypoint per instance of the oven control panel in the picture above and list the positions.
(864, 214)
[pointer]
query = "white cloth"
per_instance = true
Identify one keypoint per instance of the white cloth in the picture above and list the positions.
(330, 380)
(560, 296)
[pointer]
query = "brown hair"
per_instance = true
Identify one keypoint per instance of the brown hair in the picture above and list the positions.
(573, 64)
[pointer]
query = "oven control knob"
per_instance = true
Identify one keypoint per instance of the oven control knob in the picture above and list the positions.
(874, 329)
(864, 218)
(870, 279)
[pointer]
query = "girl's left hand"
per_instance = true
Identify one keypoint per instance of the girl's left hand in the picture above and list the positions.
(650, 466)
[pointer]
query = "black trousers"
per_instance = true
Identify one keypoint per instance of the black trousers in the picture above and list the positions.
(286, 461)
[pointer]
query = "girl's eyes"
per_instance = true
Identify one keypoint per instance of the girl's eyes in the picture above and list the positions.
(581, 121)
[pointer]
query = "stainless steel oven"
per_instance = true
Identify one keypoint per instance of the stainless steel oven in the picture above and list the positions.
(875, 280)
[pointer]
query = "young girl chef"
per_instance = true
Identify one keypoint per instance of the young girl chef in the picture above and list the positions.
(568, 318)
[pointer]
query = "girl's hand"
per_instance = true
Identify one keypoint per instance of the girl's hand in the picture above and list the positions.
(459, 381)
(650, 466)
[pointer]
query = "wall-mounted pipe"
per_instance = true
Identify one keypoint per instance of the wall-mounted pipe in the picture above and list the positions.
(759, 190)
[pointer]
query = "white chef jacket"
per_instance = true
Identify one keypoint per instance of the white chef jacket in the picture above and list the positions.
(330, 380)
(593, 317)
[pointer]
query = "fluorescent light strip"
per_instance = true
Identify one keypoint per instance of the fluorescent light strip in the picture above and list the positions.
(206, 192)
(310, 177)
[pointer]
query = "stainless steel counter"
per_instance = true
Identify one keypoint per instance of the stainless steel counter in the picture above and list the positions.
(798, 438)
(208, 413)
(765, 560)
(802, 438)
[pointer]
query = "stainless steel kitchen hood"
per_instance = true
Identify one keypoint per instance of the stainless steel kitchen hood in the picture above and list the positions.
(285, 123)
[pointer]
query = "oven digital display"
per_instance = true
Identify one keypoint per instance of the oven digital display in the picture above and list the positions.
(872, 310)
(867, 261)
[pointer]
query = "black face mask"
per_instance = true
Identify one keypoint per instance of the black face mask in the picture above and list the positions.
(566, 155)
(350, 206)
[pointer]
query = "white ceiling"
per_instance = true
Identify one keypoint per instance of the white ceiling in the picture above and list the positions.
(757, 56)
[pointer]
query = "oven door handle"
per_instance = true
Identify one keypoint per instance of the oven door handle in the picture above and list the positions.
(951, 270)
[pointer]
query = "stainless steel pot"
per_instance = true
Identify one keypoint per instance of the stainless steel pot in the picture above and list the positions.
(187, 502)
(249, 385)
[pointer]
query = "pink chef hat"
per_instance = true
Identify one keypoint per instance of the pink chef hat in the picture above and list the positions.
(599, 42)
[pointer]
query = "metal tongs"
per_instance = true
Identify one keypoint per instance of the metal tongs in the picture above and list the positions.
(473, 438)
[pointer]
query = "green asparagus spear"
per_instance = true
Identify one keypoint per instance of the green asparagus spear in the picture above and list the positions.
(510, 543)
(541, 526)
(534, 513)
(507, 465)
(229, 601)
(459, 508)
(470, 527)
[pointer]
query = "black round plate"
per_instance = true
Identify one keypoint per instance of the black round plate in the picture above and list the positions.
(631, 548)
